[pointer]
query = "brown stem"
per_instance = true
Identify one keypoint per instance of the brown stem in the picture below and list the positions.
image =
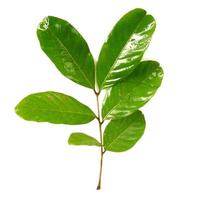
(100, 173)
(101, 141)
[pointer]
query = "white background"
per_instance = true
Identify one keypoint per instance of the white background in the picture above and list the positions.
(35, 161)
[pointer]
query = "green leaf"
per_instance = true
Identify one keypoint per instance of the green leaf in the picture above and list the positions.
(55, 108)
(82, 139)
(125, 47)
(120, 135)
(67, 49)
(132, 93)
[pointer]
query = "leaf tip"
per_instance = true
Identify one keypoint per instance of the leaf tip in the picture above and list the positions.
(44, 24)
(16, 109)
(69, 140)
(140, 10)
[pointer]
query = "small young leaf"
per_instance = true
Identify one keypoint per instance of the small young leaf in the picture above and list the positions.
(67, 49)
(132, 93)
(82, 139)
(120, 135)
(55, 108)
(124, 48)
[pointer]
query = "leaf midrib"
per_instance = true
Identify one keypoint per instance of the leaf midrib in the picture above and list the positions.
(92, 140)
(119, 102)
(115, 61)
(59, 111)
(60, 42)
(131, 91)
(119, 135)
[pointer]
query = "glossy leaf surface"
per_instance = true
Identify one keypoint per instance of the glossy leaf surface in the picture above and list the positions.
(121, 135)
(67, 49)
(55, 108)
(124, 48)
(82, 139)
(132, 93)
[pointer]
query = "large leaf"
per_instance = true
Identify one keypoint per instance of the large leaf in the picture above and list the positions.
(121, 135)
(67, 49)
(125, 46)
(82, 139)
(132, 93)
(55, 108)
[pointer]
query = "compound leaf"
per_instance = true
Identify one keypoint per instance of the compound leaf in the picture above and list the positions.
(55, 108)
(124, 48)
(67, 49)
(120, 135)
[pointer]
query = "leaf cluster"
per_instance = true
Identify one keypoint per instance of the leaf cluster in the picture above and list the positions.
(127, 81)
